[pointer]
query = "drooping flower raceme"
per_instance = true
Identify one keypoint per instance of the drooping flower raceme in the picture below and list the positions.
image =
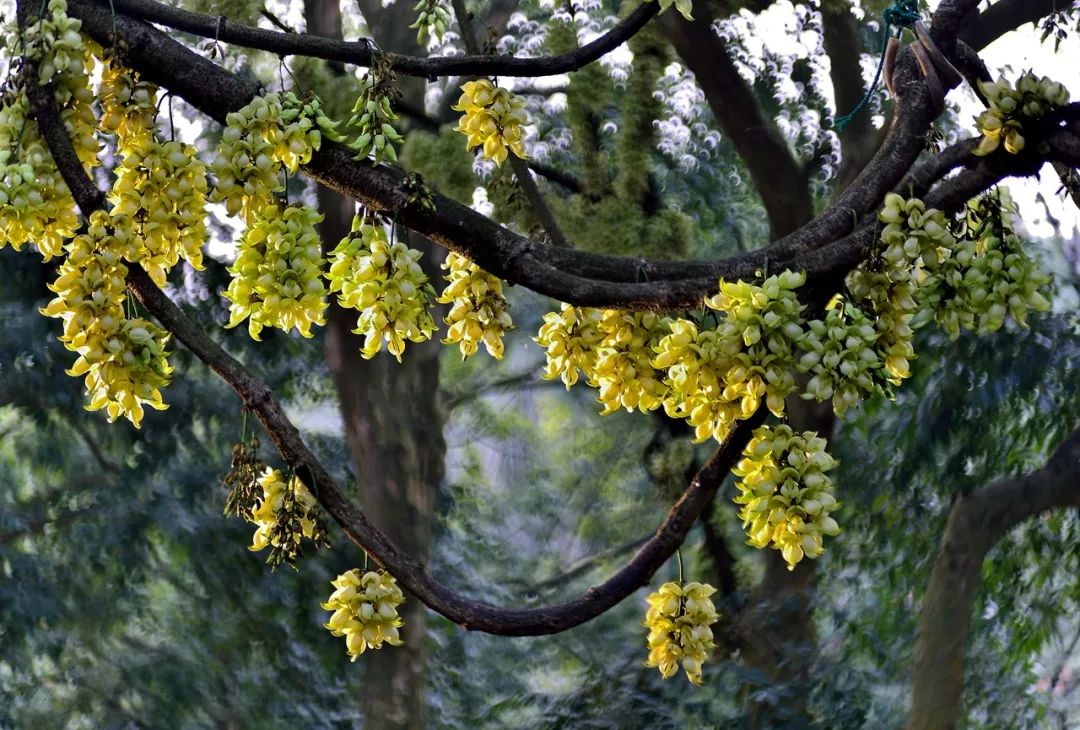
(122, 358)
(276, 277)
(285, 513)
(838, 353)
(479, 312)
(787, 498)
(571, 338)
(365, 610)
(492, 120)
(623, 371)
(386, 284)
(679, 620)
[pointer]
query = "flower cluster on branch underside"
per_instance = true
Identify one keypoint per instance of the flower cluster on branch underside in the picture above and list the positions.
(679, 620)
(1009, 106)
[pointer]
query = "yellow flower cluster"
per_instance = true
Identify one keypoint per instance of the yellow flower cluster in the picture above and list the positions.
(272, 132)
(785, 493)
(386, 285)
(838, 353)
(492, 120)
(35, 203)
(373, 116)
(55, 43)
(696, 362)
(760, 326)
(275, 492)
(160, 196)
(1031, 98)
(479, 312)
(365, 610)
(276, 278)
(128, 104)
(570, 339)
(679, 620)
(122, 358)
(623, 371)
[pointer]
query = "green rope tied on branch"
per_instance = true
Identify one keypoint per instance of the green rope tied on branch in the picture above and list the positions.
(902, 14)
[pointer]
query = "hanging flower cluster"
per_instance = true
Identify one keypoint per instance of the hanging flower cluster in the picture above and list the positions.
(121, 357)
(272, 133)
(479, 313)
(386, 284)
(285, 513)
(758, 332)
(276, 276)
(431, 22)
(570, 338)
(128, 104)
(492, 120)
(373, 116)
(160, 195)
(365, 610)
(785, 493)
(1002, 122)
(679, 620)
(840, 357)
(623, 372)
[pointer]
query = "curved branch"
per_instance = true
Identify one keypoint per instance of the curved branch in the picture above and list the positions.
(360, 52)
(1003, 17)
(976, 522)
(413, 575)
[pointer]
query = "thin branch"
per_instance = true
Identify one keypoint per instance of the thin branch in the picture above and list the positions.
(359, 52)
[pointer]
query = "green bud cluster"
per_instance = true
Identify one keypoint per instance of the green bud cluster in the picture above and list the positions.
(787, 498)
(386, 284)
(277, 280)
(760, 326)
(431, 22)
(1002, 122)
(839, 356)
(373, 115)
(479, 313)
(623, 371)
(570, 339)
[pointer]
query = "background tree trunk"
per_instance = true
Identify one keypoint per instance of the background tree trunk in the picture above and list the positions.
(393, 420)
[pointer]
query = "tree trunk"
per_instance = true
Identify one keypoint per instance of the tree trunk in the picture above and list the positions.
(393, 420)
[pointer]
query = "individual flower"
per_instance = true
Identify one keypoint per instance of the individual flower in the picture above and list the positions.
(679, 620)
(365, 610)
(493, 119)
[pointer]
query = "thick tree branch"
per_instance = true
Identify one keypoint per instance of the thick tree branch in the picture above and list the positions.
(360, 52)
(1004, 16)
(976, 522)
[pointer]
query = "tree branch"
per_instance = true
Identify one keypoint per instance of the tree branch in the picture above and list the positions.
(976, 522)
(1004, 16)
(359, 52)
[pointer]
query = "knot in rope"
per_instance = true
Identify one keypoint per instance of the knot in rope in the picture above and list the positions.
(901, 14)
